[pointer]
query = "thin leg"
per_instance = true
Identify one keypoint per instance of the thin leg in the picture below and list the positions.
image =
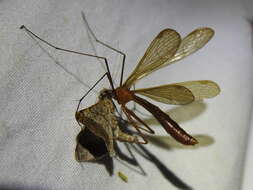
(108, 46)
(89, 91)
(87, 94)
(116, 109)
(124, 109)
(134, 108)
(71, 51)
(139, 127)
(142, 122)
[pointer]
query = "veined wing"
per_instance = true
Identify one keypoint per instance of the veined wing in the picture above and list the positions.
(161, 49)
(181, 93)
(191, 43)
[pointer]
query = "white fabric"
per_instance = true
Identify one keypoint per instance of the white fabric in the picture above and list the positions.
(247, 182)
(38, 97)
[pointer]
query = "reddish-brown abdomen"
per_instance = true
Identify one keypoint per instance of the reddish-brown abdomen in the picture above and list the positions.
(168, 124)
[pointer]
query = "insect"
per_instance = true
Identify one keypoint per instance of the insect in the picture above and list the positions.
(165, 49)
(101, 120)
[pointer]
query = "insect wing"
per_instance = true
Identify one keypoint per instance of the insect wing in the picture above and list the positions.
(188, 45)
(161, 49)
(181, 93)
(191, 43)
(168, 94)
(201, 89)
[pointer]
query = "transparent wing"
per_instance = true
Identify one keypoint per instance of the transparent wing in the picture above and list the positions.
(201, 89)
(181, 93)
(168, 94)
(191, 43)
(161, 49)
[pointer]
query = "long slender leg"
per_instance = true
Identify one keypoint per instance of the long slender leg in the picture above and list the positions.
(106, 45)
(89, 91)
(130, 114)
(149, 130)
(142, 122)
(135, 126)
(86, 95)
(71, 51)
(116, 108)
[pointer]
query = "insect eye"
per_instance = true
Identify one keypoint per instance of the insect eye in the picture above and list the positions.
(102, 95)
(105, 94)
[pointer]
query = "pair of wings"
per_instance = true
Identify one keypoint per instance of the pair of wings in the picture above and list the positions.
(165, 49)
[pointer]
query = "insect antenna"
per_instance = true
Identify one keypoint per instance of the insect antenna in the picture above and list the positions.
(106, 45)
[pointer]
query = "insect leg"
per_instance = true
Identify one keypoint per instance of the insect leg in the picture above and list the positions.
(124, 137)
(125, 110)
(76, 114)
(139, 120)
(108, 46)
(89, 91)
(71, 51)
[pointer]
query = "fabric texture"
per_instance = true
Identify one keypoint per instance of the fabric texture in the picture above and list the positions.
(40, 88)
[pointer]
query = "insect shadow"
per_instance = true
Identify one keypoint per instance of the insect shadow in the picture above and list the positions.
(145, 153)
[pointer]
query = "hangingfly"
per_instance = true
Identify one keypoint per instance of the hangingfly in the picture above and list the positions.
(165, 49)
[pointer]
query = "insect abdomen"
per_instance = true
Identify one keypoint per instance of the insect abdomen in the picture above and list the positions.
(168, 124)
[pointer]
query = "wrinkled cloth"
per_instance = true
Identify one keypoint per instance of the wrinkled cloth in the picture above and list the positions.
(40, 88)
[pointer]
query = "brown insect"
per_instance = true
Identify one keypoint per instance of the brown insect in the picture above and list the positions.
(165, 49)
(100, 119)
